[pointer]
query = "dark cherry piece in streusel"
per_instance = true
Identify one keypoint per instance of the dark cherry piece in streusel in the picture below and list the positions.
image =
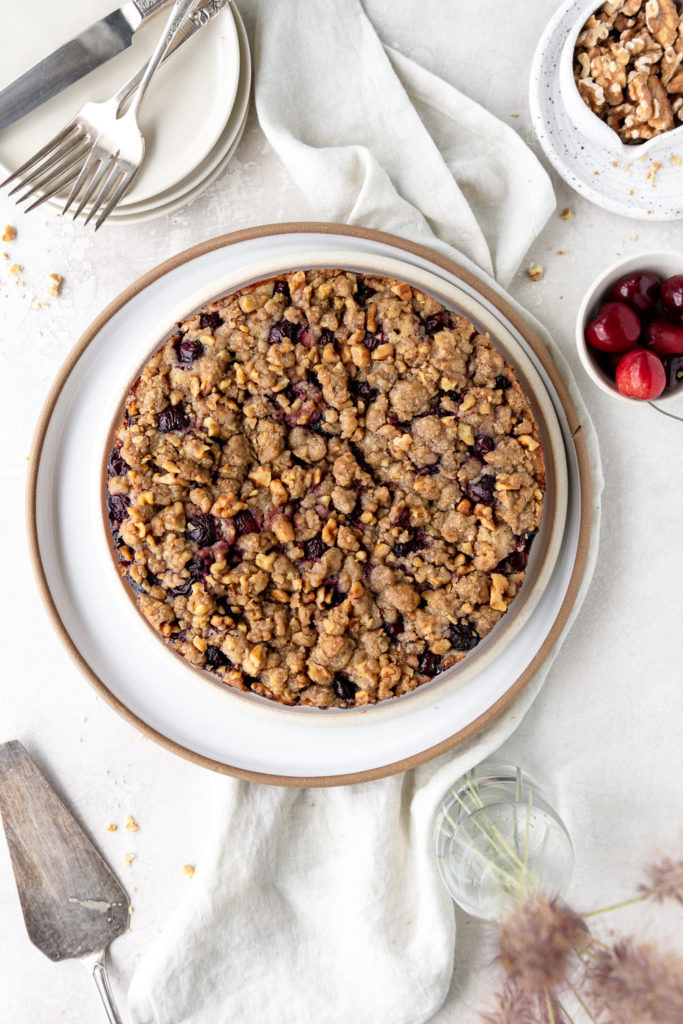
(324, 488)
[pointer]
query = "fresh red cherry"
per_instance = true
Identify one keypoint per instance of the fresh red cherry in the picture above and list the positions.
(640, 374)
(672, 297)
(673, 367)
(639, 290)
(609, 362)
(664, 338)
(616, 328)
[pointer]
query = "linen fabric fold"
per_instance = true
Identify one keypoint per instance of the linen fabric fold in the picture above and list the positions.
(325, 906)
(374, 139)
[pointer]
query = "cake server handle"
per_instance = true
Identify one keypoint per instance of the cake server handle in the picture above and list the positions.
(95, 965)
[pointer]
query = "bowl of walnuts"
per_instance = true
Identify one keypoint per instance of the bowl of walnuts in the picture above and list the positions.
(621, 74)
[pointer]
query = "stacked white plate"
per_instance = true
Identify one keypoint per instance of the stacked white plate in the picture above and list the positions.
(192, 118)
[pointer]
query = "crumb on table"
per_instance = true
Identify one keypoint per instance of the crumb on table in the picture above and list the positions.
(188, 870)
(128, 859)
(111, 827)
(54, 285)
(535, 272)
(566, 214)
(15, 269)
(131, 824)
(10, 233)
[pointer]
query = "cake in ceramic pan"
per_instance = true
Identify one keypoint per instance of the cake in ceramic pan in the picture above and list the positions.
(324, 488)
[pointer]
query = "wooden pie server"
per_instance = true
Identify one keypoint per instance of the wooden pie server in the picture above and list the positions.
(73, 904)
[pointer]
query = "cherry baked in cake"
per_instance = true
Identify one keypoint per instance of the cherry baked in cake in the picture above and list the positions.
(324, 488)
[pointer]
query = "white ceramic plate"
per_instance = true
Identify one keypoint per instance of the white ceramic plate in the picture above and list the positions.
(185, 110)
(210, 168)
(597, 172)
(237, 731)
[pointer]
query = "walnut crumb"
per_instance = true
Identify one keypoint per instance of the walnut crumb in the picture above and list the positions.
(54, 286)
(535, 272)
(10, 233)
(131, 824)
(675, 160)
(188, 870)
(15, 269)
(128, 859)
(112, 827)
(566, 214)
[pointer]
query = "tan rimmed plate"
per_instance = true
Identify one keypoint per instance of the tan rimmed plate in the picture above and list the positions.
(150, 685)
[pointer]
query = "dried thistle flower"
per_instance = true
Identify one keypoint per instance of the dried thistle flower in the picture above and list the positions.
(636, 984)
(514, 1006)
(665, 880)
(536, 942)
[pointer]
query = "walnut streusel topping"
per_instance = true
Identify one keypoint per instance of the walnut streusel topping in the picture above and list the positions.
(325, 488)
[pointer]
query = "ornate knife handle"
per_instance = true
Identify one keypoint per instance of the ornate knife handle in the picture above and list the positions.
(205, 12)
(193, 21)
(146, 8)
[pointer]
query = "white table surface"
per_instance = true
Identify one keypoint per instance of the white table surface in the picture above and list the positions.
(605, 733)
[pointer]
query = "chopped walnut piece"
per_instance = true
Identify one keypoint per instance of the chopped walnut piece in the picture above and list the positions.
(188, 870)
(9, 234)
(54, 286)
(661, 18)
(131, 824)
(535, 272)
(566, 214)
(675, 85)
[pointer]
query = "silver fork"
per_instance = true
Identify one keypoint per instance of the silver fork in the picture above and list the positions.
(97, 149)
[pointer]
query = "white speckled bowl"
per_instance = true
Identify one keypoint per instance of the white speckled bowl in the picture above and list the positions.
(664, 264)
(574, 141)
(589, 124)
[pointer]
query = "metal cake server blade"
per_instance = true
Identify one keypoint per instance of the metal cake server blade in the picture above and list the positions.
(73, 904)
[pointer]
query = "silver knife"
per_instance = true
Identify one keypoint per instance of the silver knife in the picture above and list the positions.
(93, 47)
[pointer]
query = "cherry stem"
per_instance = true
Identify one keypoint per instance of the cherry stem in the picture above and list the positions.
(669, 414)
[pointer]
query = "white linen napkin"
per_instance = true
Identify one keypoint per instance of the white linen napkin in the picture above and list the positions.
(374, 139)
(325, 906)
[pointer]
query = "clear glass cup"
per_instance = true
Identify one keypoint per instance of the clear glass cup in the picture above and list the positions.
(497, 838)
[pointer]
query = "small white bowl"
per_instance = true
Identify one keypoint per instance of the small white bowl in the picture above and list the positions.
(664, 264)
(589, 124)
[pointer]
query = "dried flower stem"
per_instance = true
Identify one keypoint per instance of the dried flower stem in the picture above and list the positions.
(616, 906)
(565, 1012)
(575, 993)
(497, 840)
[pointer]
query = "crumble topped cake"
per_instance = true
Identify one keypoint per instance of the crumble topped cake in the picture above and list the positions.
(325, 488)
